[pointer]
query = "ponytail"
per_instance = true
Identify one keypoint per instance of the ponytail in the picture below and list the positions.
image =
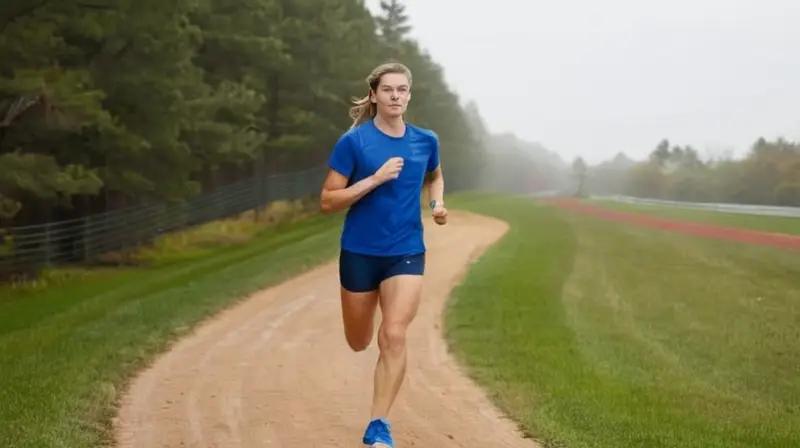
(363, 109)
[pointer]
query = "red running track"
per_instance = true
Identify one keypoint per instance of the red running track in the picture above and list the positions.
(779, 240)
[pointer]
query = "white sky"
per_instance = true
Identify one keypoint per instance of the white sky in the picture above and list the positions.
(596, 77)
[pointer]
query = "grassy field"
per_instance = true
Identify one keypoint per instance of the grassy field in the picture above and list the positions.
(69, 342)
(775, 224)
(596, 334)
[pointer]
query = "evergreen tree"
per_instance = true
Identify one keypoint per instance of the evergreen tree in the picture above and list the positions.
(393, 24)
(104, 105)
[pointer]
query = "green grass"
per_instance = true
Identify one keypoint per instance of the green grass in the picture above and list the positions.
(598, 334)
(67, 349)
(776, 224)
(589, 333)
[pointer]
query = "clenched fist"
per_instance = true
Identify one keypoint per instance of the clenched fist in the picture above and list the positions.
(440, 214)
(390, 170)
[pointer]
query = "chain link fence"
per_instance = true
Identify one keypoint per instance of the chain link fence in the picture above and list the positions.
(28, 249)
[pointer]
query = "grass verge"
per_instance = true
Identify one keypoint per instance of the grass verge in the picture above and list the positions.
(67, 349)
(774, 224)
(594, 334)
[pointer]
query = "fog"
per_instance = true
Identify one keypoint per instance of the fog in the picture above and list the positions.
(594, 79)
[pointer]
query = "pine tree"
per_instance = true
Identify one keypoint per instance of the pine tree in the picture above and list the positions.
(393, 25)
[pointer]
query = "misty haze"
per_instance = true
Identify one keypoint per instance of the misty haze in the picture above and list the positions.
(210, 232)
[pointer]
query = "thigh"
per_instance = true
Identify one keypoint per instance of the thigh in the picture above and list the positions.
(359, 276)
(358, 317)
(401, 289)
(399, 299)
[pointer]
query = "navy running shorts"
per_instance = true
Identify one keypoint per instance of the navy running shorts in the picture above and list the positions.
(363, 273)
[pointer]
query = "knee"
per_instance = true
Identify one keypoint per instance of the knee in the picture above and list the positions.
(392, 338)
(358, 343)
(358, 338)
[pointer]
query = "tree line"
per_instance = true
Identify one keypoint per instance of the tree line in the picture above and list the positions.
(768, 174)
(108, 103)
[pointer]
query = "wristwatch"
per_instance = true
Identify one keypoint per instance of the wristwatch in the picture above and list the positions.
(433, 204)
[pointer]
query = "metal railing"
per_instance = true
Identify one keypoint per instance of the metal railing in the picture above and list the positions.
(748, 209)
(29, 248)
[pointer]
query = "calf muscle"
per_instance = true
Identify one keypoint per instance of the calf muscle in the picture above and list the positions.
(400, 297)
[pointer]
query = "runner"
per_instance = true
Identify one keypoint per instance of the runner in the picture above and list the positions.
(377, 171)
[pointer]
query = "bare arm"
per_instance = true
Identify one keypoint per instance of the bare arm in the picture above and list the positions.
(436, 186)
(337, 196)
(436, 193)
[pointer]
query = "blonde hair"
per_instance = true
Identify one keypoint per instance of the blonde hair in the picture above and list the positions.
(363, 109)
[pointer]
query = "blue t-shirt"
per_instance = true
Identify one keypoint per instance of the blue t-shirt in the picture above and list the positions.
(386, 221)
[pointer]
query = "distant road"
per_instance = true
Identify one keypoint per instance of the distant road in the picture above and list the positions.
(762, 210)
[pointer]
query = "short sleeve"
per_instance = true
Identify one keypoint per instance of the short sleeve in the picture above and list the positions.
(342, 159)
(433, 160)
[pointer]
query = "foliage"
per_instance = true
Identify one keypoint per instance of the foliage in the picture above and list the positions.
(579, 169)
(513, 165)
(769, 174)
(118, 102)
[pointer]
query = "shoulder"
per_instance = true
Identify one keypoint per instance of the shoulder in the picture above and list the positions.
(423, 133)
(352, 138)
(351, 134)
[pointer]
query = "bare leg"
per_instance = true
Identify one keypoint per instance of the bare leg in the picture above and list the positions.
(358, 316)
(399, 301)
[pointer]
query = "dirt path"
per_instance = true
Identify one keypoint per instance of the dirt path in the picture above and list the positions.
(746, 236)
(275, 371)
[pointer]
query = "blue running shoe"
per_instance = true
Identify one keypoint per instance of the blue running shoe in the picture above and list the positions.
(378, 434)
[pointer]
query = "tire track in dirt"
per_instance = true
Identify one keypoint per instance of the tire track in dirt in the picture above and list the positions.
(275, 371)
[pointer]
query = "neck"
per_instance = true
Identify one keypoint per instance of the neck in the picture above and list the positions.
(393, 126)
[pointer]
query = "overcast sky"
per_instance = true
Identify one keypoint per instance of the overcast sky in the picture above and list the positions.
(595, 77)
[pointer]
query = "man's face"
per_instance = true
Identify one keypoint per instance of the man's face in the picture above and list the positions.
(392, 95)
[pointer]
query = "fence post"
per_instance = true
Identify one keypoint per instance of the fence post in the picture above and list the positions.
(85, 238)
(47, 247)
(259, 184)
